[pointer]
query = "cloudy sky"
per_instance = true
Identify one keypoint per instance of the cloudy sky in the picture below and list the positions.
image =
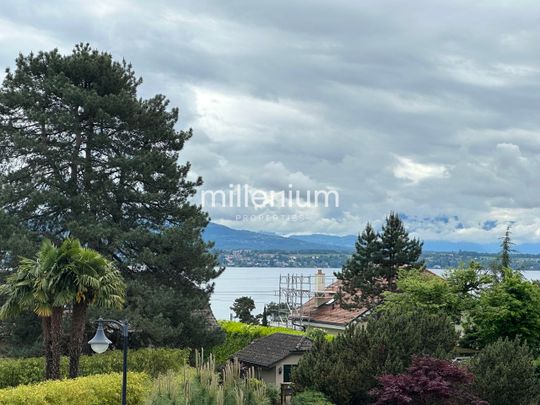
(428, 108)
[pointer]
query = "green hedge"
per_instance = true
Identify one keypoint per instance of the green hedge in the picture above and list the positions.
(239, 335)
(15, 372)
(102, 389)
(310, 398)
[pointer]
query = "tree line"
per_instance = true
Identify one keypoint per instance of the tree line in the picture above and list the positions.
(83, 157)
(418, 322)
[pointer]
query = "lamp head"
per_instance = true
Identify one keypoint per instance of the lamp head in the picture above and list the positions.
(99, 343)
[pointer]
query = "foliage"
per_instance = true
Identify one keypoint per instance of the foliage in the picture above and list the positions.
(509, 308)
(153, 362)
(506, 249)
(161, 317)
(422, 290)
(95, 390)
(84, 156)
(239, 335)
(345, 368)
(427, 381)
(373, 268)
(264, 317)
(505, 373)
(33, 288)
(242, 308)
(310, 398)
(468, 282)
(204, 386)
(276, 310)
(59, 276)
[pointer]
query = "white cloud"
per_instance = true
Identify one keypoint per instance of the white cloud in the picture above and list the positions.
(415, 172)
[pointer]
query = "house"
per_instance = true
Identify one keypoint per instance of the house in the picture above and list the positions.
(273, 357)
(322, 311)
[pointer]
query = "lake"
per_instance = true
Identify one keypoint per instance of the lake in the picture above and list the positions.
(262, 284)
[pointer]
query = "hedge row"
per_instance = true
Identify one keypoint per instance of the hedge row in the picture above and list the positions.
(310, 398)
(239, 335)
(15, 372)
(94, 390)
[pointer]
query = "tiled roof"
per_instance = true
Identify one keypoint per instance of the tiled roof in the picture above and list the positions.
(329, 312)
(268, 350)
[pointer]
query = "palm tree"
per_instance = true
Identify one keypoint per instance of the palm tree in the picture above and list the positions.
(86, 278)
(59, 276)
(29, 288)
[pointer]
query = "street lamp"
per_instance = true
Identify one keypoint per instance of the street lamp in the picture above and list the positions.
(100, 343)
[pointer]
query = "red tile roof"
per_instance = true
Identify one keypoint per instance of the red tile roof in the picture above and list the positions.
(329, 312)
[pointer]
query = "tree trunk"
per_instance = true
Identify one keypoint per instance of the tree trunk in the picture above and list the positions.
(46, 332)
(56, 342)
(78, 324)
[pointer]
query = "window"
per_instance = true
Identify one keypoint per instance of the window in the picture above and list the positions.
(287, 372)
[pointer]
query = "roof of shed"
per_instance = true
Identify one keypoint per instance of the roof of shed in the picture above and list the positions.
(268, 350)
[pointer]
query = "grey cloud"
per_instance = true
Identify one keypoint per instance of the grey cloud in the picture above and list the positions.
(336, 94)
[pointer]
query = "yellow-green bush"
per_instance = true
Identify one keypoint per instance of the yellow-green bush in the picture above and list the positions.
(239, 335)
(15, 372)
(103, 389)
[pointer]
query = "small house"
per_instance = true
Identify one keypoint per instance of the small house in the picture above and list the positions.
(274, 357)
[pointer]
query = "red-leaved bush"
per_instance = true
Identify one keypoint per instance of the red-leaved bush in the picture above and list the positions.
(427, 381)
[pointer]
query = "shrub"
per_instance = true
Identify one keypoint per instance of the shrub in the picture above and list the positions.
(346, 368)
(204, 386)
(239, 335)
(15, 372)
(427, 381)
(310, 398)
(505, 373)
(102, 389)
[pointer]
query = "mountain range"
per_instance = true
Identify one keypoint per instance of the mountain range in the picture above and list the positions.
(226, 238)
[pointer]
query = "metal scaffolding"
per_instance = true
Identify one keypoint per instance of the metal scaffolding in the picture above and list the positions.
(294, 291)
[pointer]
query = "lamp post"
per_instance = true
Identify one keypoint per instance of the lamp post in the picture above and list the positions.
(100, 343)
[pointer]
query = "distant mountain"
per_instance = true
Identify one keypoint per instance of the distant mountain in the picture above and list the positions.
(235, 239)
(226, 238)
(337, 242)
(444, 246)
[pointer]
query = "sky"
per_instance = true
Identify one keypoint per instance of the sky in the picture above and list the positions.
(427, 108)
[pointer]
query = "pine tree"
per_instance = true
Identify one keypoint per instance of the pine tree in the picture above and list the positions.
(83, 156)
(242, 308)
(374, 266)
(505, 373)
(361, 271)
(397, 249)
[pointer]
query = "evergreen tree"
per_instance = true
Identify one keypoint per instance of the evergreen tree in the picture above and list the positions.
(505, 373)
(242, 308)
(264, 318)
(506, 249)
(83, 156)
(374, 266)
(397, 250)
(504, 259)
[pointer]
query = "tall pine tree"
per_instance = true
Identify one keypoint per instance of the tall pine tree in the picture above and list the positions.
(373, 268)
(81, 155)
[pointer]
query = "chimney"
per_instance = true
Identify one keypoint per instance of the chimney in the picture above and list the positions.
(320, 287)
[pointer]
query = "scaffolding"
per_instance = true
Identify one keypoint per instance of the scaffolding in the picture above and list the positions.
(294, 291)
